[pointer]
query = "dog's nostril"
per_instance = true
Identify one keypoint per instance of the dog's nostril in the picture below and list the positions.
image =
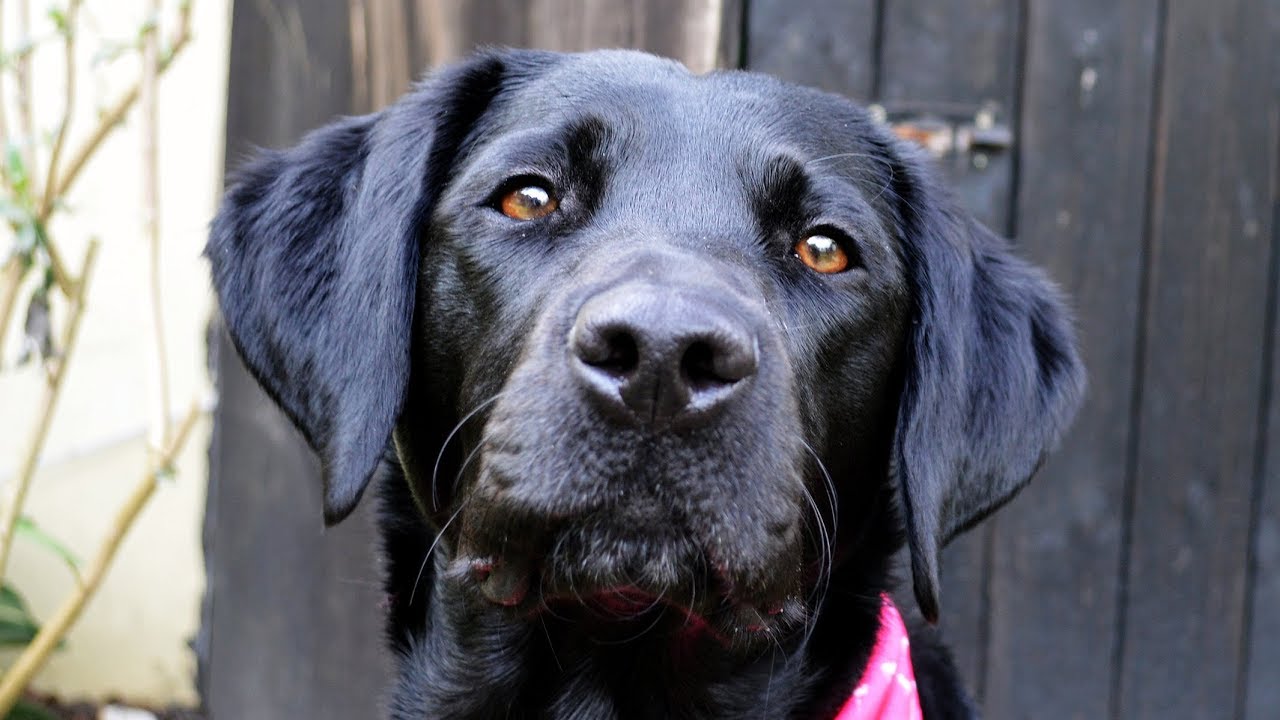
(699, 368)
(710, 364)
(612, 350)
(621, 355)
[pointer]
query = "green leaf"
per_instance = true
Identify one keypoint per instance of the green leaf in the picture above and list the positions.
(27, 528)
(15, 167)
(25, 710)
(17, 627)
(11, 601)
(59, 18)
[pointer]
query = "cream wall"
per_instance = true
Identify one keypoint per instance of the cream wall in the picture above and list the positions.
(132, 641)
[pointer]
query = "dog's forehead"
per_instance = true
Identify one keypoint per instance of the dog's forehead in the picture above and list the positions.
(664, 105)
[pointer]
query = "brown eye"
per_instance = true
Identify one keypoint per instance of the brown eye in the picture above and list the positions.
(530, 202)
(822, 254)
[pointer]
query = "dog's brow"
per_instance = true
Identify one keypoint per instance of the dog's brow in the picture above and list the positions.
(779, 187)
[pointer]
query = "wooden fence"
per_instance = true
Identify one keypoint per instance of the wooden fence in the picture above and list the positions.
(1139, 575)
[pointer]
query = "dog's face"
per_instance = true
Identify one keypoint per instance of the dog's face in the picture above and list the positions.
(640, 336)
(656, 370)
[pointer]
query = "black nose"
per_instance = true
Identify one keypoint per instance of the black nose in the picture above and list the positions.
(661, 354)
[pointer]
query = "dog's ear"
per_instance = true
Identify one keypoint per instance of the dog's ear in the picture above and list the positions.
(315, 253)
(992, 375)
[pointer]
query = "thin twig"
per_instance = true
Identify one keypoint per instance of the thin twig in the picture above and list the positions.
(114, 115)
(68, 107)
(26, 122)
(4, 118)
(10, 281)
(13, 508)
(159, 432)
(52, 632)
(108, 122)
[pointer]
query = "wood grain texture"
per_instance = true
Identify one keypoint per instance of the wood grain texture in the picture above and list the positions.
(382, 62)
(703, 34)
(293, 616)
(291, 625)
(1261, 699)
(830, 44)
(1203, 373)
(446, 30)
(1085, 140)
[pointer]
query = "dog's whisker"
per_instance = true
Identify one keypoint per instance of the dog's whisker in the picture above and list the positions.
(826, 549)
(551, 646)
(860, 156)
(439, 536)
(435, 471)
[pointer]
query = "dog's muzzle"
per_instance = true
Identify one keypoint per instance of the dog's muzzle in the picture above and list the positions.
(646, 447)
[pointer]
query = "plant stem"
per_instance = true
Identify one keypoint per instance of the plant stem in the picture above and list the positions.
(13, 508)
(55, 629)
(68, 107)
(26, 122)
(10, 281)
(159, 430)
(116, 113)
(4, 120)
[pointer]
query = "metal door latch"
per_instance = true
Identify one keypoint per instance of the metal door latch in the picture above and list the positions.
(944, 133)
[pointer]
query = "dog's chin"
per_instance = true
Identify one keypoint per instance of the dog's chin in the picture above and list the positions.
(615, 586)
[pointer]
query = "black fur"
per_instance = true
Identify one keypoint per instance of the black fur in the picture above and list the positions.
(641, 460)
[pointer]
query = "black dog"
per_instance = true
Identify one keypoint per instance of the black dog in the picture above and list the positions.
(667, 368)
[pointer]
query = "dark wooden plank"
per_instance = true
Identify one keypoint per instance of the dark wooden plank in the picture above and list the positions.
(950, 58)
(1262, 692)
(701, 33)
(382, 66)
(1203, 370)
(831, 44)
(957, 57)
(1084, 141)
(447, 30)
(291, 625)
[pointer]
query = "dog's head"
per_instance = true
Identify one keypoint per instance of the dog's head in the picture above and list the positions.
(639, 334)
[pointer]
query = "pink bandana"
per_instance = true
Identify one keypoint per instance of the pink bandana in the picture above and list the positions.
(887, 690)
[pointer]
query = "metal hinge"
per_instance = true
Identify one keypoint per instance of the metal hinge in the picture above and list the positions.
(952, 130)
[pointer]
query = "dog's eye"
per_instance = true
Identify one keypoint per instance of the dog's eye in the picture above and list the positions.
(528, 202)
(822, 253)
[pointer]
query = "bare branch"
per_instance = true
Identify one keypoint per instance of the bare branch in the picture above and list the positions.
(68, 107)
(51, 633)
(4, 120)
(116, 113)
(10, 281)
(30, 459)
(159, 425)
(26, 122)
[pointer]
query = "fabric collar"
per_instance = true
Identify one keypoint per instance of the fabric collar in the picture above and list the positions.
(887, 690)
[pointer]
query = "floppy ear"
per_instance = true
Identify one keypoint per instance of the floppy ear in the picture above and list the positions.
(992, 376)
(315, 253)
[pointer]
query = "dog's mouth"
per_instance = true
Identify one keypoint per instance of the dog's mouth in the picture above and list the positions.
(698, 593)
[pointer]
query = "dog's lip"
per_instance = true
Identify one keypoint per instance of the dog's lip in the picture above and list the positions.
(517, 584)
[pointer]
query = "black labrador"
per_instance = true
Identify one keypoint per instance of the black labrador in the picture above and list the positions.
(664, 368)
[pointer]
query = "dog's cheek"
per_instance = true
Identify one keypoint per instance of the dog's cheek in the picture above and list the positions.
(457, 370)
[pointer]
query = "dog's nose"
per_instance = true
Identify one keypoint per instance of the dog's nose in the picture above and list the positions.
(661, 354)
